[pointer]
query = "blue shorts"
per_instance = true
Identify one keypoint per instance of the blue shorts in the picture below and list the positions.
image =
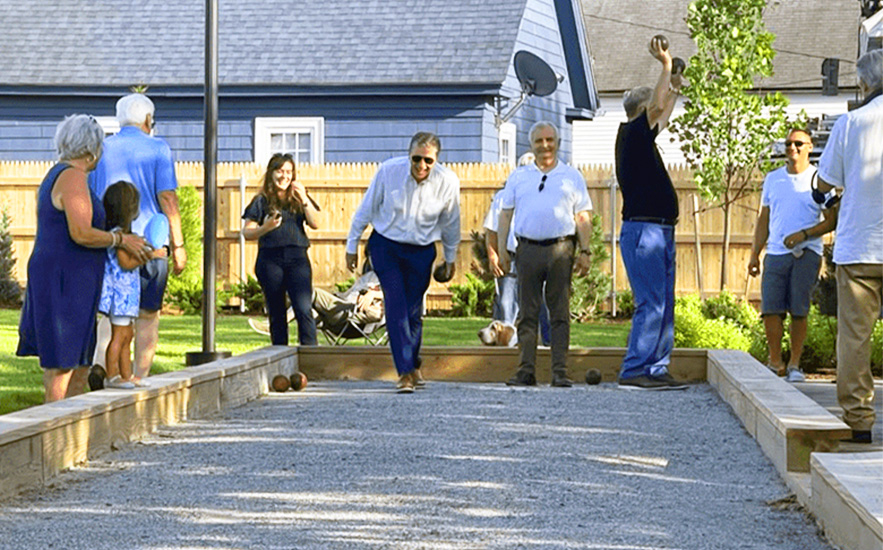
(154, 276)
(787, 283)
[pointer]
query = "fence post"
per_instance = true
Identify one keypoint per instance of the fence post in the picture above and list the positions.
(698, 247)
(613, 243)
(241, 239)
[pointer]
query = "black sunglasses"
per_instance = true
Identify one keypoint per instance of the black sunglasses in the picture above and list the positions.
(543, 183)
(417, 158)
(797, 144)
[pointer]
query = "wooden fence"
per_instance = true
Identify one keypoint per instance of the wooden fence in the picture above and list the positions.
(338, 188)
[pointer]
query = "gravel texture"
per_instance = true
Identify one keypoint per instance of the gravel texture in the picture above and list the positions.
(454, 466)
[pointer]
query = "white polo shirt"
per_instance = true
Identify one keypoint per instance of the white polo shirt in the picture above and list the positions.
(853, 160)
(550, 213)
(789, 197)
(408, 212)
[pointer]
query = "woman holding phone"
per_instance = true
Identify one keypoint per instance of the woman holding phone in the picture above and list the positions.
(276, 217)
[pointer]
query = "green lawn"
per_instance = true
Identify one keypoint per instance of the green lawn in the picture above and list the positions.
(21, 383)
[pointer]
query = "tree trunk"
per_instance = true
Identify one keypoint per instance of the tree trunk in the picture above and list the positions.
(725, 249)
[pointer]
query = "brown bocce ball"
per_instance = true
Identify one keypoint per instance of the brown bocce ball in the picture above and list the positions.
(663, 40)
(298, 381)
(280, 383)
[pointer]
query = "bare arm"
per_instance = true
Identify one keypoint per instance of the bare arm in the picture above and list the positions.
(584, 236)
(168, 203)
(662, 99)
(824, 186)
(310, 214)
(503, 224)
(828, 224)
(493, 257)
(761, 234)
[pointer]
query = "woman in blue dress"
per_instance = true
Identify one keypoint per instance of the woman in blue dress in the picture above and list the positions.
(66, 267)
(276, 217)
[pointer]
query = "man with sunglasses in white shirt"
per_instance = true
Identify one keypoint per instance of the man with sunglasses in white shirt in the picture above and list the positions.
(553, 226)
(412, 202)
(787, 226)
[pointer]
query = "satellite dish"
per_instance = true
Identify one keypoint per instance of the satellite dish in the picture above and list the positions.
(536, 76)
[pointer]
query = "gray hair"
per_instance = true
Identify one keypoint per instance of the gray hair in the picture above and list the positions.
(423, 139)
(132, 110)
(869, 69)
(636, 98)
(537, 126)
(77, 136)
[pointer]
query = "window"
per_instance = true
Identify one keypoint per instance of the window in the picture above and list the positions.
(109, 124)
(302, 137)
(507, 143)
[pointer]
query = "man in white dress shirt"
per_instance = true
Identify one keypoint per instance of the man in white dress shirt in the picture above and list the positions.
(412, 202)
(853, 160)
(552, 210)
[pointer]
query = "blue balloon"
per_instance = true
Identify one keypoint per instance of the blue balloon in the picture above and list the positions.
(157, 230)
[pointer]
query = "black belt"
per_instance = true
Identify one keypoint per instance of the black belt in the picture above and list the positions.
(662, 221)
(545, 242)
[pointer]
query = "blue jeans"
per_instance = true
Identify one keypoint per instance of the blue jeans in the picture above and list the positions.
(648, 252)
(506, 304)
(287, 269)
(404, 271)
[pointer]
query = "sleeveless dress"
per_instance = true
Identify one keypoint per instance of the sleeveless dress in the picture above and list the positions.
(64, 284)
(121, 291)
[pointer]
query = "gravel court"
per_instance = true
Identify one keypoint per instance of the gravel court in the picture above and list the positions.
(455, 466)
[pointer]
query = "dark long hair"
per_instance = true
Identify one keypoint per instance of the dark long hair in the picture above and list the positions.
(122, 203)
(268, 189)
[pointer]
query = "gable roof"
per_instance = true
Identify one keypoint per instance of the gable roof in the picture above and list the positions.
(111, 43)
(806, 33)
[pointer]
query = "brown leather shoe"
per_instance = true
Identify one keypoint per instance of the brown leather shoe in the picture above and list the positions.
(419, 381)
(405, 383)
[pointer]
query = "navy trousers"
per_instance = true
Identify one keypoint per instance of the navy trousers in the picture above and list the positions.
(287, 269)
(404, 271)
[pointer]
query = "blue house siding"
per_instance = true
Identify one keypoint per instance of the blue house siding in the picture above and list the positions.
(357, 129)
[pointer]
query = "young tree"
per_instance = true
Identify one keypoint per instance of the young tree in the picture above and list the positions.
(10, 291)
(728, 125)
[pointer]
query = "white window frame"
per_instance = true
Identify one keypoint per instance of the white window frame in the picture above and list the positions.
(264, 126)
(507, 133)
(109, 124)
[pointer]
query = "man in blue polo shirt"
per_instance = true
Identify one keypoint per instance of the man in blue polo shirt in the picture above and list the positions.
(134, 155)
(553, 214)
(649, 215)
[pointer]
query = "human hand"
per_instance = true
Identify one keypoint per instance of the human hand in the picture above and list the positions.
(504, 262)
(677, 81)
(583, 262)
(137, 247)
(754, 265)
(450, 269)
(659, 50)
(351, 261)
(794, 239)
(300, 192)
(179, 259)
(271, 222)
(493, 260)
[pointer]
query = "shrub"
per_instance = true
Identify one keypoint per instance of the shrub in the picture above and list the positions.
(250, 293)
(727, 306)
(474, 298)
(625, 304)
(589, 291)
(820, 346)
(694, 330)
(10, 290)
(184, 291)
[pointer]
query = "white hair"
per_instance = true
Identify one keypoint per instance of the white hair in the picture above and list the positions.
(526, 158)
(869, 69)
(77, 136)
(636, 98)
(132, 110)
(537, 126)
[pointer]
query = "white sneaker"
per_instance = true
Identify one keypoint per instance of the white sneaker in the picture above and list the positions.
(119, 384)
(795, 375)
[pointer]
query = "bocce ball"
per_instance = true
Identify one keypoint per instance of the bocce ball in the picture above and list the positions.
(280, 383)
(298, 381)
(663, 41)
(593, 377)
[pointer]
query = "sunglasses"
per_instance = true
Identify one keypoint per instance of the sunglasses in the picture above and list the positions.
(543, 183)
(427, 160)
(797, 144)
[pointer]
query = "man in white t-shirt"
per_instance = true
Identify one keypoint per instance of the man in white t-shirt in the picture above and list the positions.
(789, 227)
(853, 160)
